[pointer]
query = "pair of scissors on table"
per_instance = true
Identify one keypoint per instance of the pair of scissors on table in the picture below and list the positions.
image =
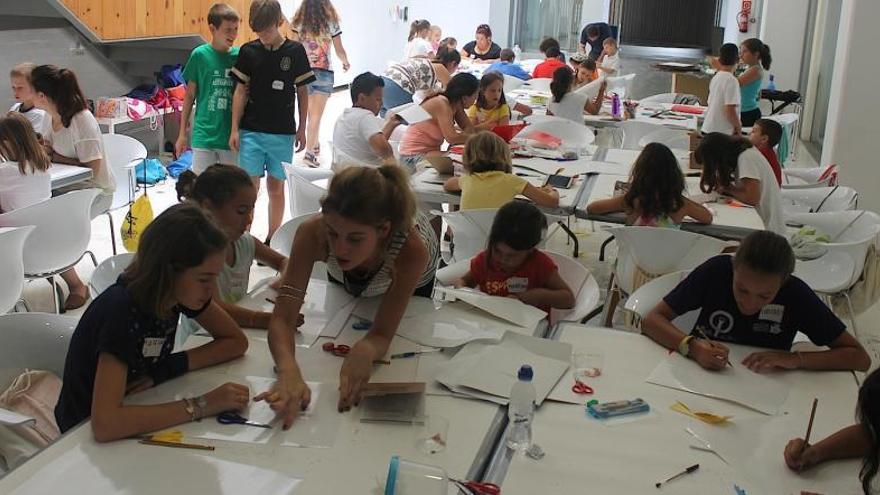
(475, 488)
(582, 388)
(233, 418)
(342, 350)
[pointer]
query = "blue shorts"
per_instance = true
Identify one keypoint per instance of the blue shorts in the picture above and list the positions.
(323, 82)
(263, 152)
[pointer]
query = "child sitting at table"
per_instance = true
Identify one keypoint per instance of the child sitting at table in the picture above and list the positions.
(551, 50)
(491, 109)
(586, 73)
(512, 265)
(733, 167)
(489, 181)
(227, 194)
(570, 104)
(765, 135)
(609, 63)
(656, 193)
(753, 299)
(858, 440)
(123, 343)
(24, 165)
(23, 92)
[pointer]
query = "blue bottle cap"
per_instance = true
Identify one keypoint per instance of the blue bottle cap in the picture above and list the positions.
(525, 373)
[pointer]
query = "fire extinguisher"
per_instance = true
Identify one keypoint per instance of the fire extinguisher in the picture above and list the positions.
(744, 16)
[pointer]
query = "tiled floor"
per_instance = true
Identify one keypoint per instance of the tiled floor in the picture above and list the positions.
(591, 236)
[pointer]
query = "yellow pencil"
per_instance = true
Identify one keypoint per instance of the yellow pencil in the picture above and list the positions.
(710, 341)
(176, 445)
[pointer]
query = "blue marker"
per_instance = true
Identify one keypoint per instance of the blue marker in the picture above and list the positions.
(362, 324)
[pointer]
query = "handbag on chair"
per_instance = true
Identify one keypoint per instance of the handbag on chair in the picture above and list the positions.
(139, 215)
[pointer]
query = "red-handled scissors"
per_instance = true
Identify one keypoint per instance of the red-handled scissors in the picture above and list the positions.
(475, 488)
(582, 388)
(340, 350)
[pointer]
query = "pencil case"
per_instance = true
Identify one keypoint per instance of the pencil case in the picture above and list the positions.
(614, 409)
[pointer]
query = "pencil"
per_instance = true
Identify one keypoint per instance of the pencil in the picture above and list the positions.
(710, 341)
(176, 445)
(810, 425)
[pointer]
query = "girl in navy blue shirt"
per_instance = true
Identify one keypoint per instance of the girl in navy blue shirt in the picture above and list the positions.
(753, 299)
(124, 340)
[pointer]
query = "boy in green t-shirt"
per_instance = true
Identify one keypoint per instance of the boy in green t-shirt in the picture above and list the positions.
(208, 84)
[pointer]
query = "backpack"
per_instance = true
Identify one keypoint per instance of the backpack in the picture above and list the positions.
(150, 171)
(170, 76)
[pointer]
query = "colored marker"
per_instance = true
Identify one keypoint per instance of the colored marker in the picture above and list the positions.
(686, 471)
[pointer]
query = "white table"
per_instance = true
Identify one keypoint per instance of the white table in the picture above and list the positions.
(729, 222)
(65, 175)
(112, 122)
(629, 458)
(357, 463)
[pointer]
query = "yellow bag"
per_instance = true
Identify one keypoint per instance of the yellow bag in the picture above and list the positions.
(139, 215)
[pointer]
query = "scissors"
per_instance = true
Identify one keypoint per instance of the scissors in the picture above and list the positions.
(581, 388)
(233, 418)
(340, 350)
(475, 488)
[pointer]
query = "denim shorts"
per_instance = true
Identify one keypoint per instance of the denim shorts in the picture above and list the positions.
(263, 152)
(323, 82)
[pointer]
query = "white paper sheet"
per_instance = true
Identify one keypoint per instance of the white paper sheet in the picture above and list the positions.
(763, 393)
(491, 368)
(512, 84)
(508, 309)
(411, 113)
(12, 418)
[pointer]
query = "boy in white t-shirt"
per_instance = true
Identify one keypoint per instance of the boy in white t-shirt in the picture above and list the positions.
(609, 62)
(360, 136)
(23, 92)
(724, 95)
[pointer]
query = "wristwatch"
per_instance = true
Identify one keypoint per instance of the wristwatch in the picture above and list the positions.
(684, 345)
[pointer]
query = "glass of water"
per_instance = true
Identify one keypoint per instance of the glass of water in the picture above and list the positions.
(587, 364)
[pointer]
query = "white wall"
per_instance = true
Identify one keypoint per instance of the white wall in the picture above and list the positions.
(783, 28)
(853, 122)
(594, 11)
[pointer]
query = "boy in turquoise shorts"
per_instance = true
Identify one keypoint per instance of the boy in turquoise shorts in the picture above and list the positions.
(208, 83)
(273, 73)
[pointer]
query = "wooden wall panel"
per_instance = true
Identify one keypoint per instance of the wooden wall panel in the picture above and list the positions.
(113, 22)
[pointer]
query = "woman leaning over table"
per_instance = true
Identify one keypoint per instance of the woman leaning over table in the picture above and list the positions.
(375, 243)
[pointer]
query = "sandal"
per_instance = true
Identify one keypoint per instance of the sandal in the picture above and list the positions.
(75, 301)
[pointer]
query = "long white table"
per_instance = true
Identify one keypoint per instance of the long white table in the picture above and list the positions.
(584, 454)
(357, 462)
(65, 175)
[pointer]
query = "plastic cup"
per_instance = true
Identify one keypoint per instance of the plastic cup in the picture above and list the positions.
(587, 364)
(414, 478)
(432, 434)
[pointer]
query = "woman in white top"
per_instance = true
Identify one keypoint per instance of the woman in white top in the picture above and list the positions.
(75, 140)
(733, 167)
(569, 103)
(24, 166)
(724, 95)
(418, 45)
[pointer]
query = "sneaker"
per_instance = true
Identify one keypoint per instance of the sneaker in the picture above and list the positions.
(311, 159)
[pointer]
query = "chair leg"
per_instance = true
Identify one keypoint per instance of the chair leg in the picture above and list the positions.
(21, 303)
(611, 300)
(112, 233)
(94, 259)
(57, 296)
(573, 238)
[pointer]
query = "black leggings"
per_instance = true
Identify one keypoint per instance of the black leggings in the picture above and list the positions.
(749, 118)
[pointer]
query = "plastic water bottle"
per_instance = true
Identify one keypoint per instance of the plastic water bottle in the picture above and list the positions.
(771, 84)
(615, 106)
(520, 411)
(517, 53)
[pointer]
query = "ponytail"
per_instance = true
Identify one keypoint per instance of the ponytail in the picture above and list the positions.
(371, 196)
(62, 88)
(416, 26)
(561, 84)
(766, 58)
(755, 45)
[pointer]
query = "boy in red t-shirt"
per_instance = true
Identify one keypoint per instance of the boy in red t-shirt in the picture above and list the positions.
(551, 50)
(513, 267)
(765, 136)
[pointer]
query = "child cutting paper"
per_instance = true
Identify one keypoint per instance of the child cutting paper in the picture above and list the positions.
(753, 299)
(512, 265)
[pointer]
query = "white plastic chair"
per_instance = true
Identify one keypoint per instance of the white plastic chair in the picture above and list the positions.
(282, 241)
(634, 131)
(537, 119)
(643, 299)
(810, 177)
(851, 233)
(35, 341)
(12, 265)
(107, 272)
(818, 199)
(658, 99)
(655, 251)
(305, 197)
(61, 237)
(572, 134)
(622, 85)
(541, 84)
(123, 153)
(470, 229)
(672, 138)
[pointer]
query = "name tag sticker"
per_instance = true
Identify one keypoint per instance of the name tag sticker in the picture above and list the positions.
(772, 312)
(278, 85)
(517, 284)
(153, 347)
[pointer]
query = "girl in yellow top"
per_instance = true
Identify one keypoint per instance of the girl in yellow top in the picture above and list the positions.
(489, 182)
(491, 109)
